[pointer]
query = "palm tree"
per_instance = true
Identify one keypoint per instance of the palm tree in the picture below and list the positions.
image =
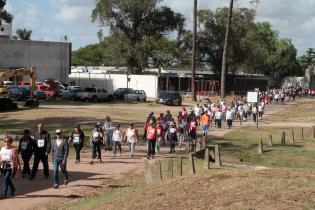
(24, 34)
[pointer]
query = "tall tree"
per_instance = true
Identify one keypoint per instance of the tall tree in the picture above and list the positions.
(5, 17)
(24, 34)
(134, 27)
(225, 50)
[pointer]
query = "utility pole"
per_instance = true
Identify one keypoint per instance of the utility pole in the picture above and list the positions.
(224, 57)
(193, 88)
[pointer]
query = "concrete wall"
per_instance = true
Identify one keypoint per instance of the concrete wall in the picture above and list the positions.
(148, 83)
(52, 59)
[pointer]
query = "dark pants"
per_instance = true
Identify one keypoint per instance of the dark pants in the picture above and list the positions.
(63, 167)
(260, 114)
(229, 123)
(96, 147)
(7, 182)
(26, 166)
(219, 123)
(44, 159)
(254, 117)
(117, 144)
(151, 147)
(77, 148)
(172, 147)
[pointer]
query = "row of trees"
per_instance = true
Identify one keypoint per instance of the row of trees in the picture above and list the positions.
(140, 37)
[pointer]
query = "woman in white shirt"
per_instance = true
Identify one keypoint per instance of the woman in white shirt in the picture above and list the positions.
(132, 137)
(9, 165)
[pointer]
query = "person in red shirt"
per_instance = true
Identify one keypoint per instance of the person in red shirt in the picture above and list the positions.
(151, 139)
(159, 133)
(193, 125)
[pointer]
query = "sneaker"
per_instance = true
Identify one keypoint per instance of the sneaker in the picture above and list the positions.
(30, 177)
(23, 175)
(55, 186)
(119, 154)
(101, 161)
(150, 158)
(91, 162)
(76, 162)
(66, 182)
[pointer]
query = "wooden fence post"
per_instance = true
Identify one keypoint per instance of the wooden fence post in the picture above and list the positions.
(270, 141)
(158, 171)
(283, 138)
(260, 147)
(292, 136)
(170, 168)
(313, 132)
(302, 134)
(147, 172)
(180, 166)
(217, 160)
(192, 169)
(207, 159)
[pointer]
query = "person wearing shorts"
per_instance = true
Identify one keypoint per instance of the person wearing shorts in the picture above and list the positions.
(205, 119)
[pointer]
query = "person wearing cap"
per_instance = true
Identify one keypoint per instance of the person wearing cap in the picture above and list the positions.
(151, 139)
(117, 139)
(96, 141)
(77, 138)
(171, 136)
(41, 150)
(131, 136)
(60, 151)
(26, 147)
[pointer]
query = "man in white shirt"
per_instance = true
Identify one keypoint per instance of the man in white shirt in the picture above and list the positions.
(229, 117)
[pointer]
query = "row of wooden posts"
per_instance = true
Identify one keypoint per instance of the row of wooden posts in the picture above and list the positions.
(153, 169)
(283, 139)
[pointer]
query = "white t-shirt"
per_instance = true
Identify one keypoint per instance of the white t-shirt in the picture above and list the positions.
(117, 135)
(6, 154)
(197, 111)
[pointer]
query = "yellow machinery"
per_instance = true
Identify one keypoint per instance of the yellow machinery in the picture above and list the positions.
(17, 73)
(7, 104)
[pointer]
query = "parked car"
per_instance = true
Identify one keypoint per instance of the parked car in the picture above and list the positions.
(136, 95)
(41, 95)
(169, 98)
(69, 94)
(8, 83)
(22, 83)
(95, 94)
(74, 88)
(18, 93)
(121, 92)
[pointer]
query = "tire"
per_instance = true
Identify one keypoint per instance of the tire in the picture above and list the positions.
(110, 98)
(138, 99)
(144, 99)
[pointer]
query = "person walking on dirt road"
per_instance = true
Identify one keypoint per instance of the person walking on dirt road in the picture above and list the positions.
(42, 149)
(96, 141)
(77, 138)
(117, 139)
(10, 164)
(26, 148)
(60, 151)
(132, 138)
(171, 135)
(151, 139)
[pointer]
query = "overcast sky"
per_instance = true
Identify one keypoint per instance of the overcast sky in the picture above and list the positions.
(50, 20)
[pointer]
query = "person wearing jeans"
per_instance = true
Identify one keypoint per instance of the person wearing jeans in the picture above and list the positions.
(9, 165)
(60, 151)
(151, 139)
(117, 139)
(131, 137)
(96, 139)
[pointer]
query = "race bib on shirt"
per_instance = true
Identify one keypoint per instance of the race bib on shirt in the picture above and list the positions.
(95, 134)
(41, 143)
(76, 139)
(23, 145)
(172, 130)
(158, 131)
(193, 124)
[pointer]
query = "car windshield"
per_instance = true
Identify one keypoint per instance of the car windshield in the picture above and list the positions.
(89, 90)
(165, 95)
